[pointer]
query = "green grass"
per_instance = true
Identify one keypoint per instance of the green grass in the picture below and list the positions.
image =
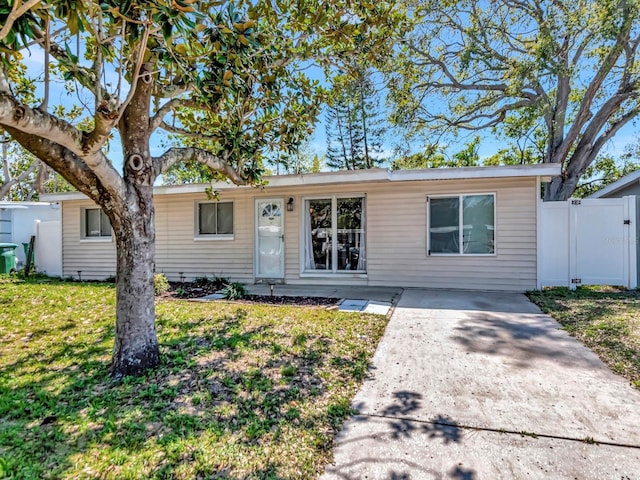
(605, 319)
(244, 391)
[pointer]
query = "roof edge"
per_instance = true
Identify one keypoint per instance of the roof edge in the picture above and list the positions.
(500, 171)
(356, 176)
(617, 185)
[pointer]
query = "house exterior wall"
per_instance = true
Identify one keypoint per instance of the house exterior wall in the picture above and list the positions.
(396, 237)
(85, 259)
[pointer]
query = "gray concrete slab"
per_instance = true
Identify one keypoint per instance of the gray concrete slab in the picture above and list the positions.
(494, 362)
(376, 448)
(381, 294)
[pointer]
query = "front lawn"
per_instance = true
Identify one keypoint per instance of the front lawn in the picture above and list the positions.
(244, 390)
(605, 319)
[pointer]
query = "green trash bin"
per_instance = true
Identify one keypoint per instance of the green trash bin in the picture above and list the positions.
(7, 257)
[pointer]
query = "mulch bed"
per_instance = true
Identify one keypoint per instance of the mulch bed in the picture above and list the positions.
(186, 291)
(278, 300)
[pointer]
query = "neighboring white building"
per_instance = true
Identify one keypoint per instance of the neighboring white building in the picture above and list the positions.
(625, 186)
(473, 228)
(18, 224)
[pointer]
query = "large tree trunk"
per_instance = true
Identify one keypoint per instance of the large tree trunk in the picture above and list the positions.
(560, 189)
(136, 345)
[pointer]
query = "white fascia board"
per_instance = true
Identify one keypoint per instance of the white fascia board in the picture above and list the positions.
(10, 205)
(63, 196)
(543, 170)
(325, 178)
(617, 185)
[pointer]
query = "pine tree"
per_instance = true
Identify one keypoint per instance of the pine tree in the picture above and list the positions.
(354, 126)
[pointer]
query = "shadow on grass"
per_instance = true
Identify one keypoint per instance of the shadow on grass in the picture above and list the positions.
(227, 394)
(605, 319)
(594, 301)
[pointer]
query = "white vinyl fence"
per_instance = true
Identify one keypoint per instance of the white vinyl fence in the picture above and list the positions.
(588, 242)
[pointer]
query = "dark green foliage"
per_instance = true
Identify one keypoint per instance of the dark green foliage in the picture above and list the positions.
(234, 291)
(606, 170)
(434, 157)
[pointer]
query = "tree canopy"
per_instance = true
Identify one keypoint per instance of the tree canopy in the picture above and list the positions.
(569, 68)
(227, 77)
(355, 126)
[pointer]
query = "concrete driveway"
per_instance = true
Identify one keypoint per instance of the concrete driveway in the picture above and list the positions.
(469, 385)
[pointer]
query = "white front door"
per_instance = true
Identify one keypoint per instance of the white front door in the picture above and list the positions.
(270, 238)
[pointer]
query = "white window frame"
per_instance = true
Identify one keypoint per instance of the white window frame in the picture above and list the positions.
(460, 197)
(83, 227)
(334, 238)
(197, 236)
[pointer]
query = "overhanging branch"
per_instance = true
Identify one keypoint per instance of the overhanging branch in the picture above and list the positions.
(158, 119)
(66, 163)
(187, 133)
(33, 123)
(176, 155)
(83, 75)
(9, 183)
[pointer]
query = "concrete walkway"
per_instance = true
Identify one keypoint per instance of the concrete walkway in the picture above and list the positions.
(468, 385)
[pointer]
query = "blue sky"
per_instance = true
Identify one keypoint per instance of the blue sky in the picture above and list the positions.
(490, 144)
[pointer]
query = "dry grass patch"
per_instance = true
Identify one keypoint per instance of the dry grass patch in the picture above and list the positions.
(244, 391)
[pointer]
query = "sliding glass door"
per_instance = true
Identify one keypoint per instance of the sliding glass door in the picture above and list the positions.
(334, 235)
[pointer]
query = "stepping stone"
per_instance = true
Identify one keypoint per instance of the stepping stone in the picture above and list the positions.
(349, 305)
(377, 308)
(213, 296)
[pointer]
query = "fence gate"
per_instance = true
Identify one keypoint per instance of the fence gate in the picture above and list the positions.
(588, 242)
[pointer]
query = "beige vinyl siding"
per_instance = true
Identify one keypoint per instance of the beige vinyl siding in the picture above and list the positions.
(179, 252)
(94, 258)
(396, 236)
